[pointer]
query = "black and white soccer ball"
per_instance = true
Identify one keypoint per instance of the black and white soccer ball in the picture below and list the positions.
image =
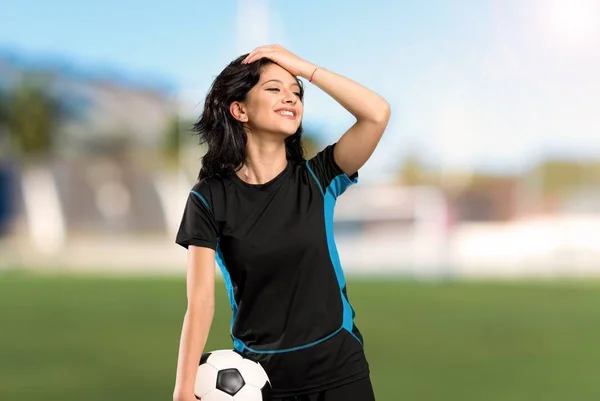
(225, 375)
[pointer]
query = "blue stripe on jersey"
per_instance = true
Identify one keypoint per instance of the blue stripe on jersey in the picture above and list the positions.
(337, 186)
(230, 294)
(239, 343)
(201, 199)
(315, 177)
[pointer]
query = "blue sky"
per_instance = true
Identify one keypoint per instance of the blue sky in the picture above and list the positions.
(492, 84)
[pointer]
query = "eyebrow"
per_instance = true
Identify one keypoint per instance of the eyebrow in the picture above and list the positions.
(278, 81)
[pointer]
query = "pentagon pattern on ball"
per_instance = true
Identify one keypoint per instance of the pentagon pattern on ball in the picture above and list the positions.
(230, 381)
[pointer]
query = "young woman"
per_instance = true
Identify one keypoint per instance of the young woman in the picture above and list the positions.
(265, 215)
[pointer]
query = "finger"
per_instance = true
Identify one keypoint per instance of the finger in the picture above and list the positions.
(260, 54)
(257, 50)
(250, 58)
(252, 55)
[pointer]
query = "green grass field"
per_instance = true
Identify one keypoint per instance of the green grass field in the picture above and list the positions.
(99, 339)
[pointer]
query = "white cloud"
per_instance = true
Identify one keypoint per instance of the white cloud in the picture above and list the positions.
(258, 24)
(253, 25)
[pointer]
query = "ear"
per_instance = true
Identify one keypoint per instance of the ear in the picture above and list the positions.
(238, 111)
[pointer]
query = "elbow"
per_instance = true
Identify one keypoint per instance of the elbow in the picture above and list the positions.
(384, 113)
(380, 114)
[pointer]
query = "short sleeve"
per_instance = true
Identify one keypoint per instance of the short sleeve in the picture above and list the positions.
(198, 226)
(328, 174)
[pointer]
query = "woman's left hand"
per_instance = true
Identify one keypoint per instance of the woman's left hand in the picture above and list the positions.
(284, 58)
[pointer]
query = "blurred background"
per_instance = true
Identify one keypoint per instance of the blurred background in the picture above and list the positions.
(472, 243)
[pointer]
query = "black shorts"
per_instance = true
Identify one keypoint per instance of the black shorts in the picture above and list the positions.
(361, 390)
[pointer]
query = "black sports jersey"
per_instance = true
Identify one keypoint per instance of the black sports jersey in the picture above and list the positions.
(275, 247)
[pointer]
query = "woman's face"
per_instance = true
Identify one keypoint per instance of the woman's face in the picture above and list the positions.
(274, 105)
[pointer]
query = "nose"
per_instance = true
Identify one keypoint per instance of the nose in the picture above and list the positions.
(289, 97)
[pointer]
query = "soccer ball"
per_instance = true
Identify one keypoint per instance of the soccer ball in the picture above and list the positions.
(225, 375)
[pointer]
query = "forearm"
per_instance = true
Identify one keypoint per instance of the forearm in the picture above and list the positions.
(194, 333)
(361, 102)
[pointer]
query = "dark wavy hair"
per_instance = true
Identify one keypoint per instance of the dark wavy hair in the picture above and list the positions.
(224, 135)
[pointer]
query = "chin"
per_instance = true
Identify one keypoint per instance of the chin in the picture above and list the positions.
(288, 131)
(285, 130)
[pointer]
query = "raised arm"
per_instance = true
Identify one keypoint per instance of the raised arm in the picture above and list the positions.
(371, 111)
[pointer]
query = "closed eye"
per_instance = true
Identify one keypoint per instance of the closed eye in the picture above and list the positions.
(298, 94)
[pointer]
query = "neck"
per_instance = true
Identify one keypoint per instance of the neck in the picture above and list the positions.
(265, 159)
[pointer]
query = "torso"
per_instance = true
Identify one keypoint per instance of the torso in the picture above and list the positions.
(287, 291)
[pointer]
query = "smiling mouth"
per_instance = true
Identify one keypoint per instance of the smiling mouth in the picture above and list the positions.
(287, 114)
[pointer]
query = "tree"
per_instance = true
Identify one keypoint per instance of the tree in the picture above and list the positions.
(171, 141)
(562, 177)
(3, 116)
(413, 171)
(3, 100)
(177, 135)
(32, 117)
(310, 141)
(311, 146)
